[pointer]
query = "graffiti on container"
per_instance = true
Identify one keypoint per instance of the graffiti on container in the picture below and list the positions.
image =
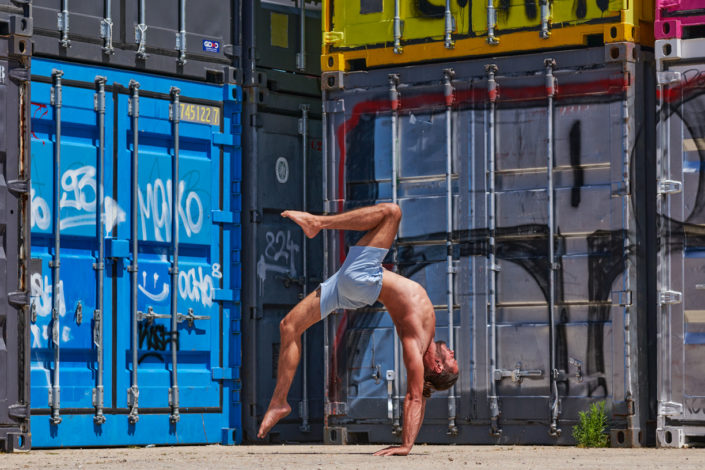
(194, 285)
(41, 293)
(155, 338)
(695, 406)
(78, 196)
(279, 256)
(156, 207)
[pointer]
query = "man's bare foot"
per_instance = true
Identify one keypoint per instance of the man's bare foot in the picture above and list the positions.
(273, 415)
(306, 221)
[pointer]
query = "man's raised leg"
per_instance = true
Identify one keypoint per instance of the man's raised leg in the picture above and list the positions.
(299, 319)
(381, 221)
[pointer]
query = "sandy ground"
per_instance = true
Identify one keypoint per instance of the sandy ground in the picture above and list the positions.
(320, 457)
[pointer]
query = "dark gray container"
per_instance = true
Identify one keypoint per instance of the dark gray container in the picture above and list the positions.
(549, 273)
(282, 169)
(195, 39)
(289, 35)
(15, 25)
(681, 271)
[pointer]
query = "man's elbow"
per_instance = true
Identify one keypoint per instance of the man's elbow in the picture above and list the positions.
(415, 397)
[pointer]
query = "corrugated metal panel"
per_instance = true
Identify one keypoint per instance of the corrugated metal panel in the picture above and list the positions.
(194, 39)
(681, 326)
(551, 281)
(682, 19)
(14, 229)
(289, 35)
(284, 155)
(105, 307)
(376, 33)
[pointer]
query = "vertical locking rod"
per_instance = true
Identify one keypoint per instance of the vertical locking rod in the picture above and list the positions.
(141, 31)
(397, 28)
(394, 100)
(55, 392)
(303, 129)
(99, 266)
(495, 429)
(491, 23)
(63, 16)
(133, 392)
(555, 400)
(301, 55)
(174, 270)
(106, 29)
(545, 15)
(449, 94)
(181, 35)
(449, 44)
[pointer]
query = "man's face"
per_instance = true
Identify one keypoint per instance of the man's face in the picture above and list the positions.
(448, 358)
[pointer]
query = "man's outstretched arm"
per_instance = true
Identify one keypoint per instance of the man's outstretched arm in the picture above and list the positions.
(414, 403)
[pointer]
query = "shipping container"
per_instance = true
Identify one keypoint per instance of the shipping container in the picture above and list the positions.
(289, 35)
(135, 315)
(681, 270)
(198, 40)
(378, 33)
(682, 19)
(14, 227)
(282, 162)
(526, 186)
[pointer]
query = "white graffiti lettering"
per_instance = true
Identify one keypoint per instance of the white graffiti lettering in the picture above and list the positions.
(41, 291)
(157, 206)
(41, 215)
(279, 255)
(78, 195)
(193, 285)
(196, 288)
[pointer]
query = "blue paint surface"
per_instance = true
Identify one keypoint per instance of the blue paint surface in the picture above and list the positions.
(209, 273)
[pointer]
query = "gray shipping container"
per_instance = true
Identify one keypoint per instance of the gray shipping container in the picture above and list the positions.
(14, 226)
(195, 39)
(549, 275)
(681, 216)
(282, 162)
(289, 35)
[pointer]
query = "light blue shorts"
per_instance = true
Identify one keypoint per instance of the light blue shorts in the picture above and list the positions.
(357, 283)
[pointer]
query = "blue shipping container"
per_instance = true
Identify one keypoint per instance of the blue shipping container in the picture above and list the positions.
(89, 340)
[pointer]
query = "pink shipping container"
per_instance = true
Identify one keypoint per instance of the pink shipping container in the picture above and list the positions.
(683, 19)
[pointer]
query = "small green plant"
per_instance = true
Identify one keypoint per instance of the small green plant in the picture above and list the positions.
(590, 430)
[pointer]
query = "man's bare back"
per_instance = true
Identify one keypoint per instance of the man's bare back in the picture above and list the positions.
(407, 302)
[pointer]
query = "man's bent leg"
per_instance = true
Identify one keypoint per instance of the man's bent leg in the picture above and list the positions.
(299, 319)
(382, 221)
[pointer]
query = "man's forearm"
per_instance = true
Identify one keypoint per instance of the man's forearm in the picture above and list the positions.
(413, 417)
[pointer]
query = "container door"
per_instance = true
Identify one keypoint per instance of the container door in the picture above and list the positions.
(64, 355)
(288, 264)
(681, 261)
(176, 352)
(200, 258)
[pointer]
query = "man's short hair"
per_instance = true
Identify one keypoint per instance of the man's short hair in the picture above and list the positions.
(438, 381)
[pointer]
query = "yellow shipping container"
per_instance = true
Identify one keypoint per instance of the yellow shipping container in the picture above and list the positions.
(373, 33)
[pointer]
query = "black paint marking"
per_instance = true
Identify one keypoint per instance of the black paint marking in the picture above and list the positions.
(530, 9)
(581, 8)
(430, 10)
(603, 5)
(155, 338)
(503, 9)
(575, 160)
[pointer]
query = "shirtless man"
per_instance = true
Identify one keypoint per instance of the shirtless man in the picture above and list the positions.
(361, 281)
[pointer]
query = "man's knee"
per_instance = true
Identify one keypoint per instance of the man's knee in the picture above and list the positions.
(391, 211)
(288, 328)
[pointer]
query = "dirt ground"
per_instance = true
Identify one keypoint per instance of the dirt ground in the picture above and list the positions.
(320, 457)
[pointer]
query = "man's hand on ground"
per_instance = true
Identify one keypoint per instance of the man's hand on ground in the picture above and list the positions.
(394, 450)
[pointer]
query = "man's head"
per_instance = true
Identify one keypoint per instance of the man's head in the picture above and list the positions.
(440, 368)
